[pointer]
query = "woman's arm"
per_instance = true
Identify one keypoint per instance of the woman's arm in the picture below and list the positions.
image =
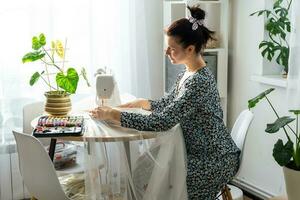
(189, 102)
(139, 103)
(165, 108)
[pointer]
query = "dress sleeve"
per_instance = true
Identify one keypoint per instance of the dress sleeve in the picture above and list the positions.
(190, 99)
(160, 104)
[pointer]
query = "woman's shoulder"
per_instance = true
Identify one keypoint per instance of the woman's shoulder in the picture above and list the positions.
(179, 76)
(202, 76)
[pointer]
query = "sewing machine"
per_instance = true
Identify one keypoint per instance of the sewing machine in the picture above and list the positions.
(107, 92)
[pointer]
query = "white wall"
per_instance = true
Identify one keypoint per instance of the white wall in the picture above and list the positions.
(259, 171)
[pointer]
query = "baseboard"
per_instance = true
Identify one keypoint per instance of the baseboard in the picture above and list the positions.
(251, 190)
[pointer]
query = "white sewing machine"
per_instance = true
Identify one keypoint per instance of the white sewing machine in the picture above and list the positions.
(107, 92)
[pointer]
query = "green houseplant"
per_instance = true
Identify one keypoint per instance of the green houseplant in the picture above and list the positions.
(277, 26)
(65, 81)
(286, 154)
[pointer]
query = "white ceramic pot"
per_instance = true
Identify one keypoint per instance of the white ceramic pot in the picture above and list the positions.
(292, 183)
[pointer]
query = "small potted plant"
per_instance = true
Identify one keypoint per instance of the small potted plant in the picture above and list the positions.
(286, 154)
(278, 25)
(66, 80)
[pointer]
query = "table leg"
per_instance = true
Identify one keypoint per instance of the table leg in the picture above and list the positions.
(127, 151)
(52, 148)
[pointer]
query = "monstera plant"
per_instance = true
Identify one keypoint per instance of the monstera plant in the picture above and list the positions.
(286, 153)
(278, 26)
(60, 81)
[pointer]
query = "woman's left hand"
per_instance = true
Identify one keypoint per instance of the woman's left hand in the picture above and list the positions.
(106, 113)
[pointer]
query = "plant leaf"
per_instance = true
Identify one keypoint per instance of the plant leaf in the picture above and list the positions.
(296, 157)
(296, 112)
(59, 48)
(52, 48)
(260, 12)
(33, 56)
(35, 43)
(38, 42)
(42, 39)
(277, 3)
(279, 123)
(68, 82)
(252, 102)
(267, 49)
(283, 153)
(283, 57)
(34, 78)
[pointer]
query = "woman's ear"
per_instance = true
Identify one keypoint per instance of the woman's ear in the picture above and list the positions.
(190, 49)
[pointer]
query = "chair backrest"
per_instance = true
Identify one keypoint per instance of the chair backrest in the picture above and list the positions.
(31, 111)
(240, 128)
(37, 169)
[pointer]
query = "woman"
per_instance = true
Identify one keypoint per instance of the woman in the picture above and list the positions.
(194, 102)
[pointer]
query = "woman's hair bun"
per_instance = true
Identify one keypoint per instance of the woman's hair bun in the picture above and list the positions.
(197, 12)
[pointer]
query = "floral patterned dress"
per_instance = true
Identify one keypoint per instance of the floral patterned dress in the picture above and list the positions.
(212, 156)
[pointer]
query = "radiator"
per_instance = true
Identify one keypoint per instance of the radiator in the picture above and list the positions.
(252, 189)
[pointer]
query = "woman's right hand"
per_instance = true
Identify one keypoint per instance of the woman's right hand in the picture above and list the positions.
(139, 103)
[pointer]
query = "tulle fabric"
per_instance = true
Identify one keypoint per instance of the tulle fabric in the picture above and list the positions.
(127, 164)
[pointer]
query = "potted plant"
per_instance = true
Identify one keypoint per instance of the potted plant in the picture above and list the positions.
(286, 154)
(66, 80)
(277, 26)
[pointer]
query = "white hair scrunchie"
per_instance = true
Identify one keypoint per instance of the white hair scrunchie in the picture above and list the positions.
(196, 22)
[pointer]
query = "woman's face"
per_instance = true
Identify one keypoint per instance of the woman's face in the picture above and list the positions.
(175, 52)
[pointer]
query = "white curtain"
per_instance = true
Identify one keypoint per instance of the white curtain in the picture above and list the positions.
(99, 33)
(294, 60)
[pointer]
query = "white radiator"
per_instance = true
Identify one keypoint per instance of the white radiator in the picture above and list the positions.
(252, 189)
(11, 184)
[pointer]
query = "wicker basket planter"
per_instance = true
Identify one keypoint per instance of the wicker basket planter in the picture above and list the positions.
(58, 103)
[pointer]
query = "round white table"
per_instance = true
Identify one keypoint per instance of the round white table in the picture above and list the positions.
(120, 134)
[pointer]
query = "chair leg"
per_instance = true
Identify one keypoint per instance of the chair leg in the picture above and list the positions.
(226, 194)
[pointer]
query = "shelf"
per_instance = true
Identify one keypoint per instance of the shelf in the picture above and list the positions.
(216, 2)
(176, 2)
(274, 80)
(213, 50)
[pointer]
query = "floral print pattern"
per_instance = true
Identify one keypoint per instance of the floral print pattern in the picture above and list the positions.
(212, 156)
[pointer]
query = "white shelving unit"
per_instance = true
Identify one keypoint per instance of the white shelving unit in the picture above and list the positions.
(217, 19)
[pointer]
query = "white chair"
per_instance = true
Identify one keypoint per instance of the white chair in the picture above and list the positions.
(238, 134)
(37, 169)
(31, 111)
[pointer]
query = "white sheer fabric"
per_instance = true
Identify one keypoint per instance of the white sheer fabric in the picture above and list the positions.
(294, 60)
(156, 172)
(122, 163)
